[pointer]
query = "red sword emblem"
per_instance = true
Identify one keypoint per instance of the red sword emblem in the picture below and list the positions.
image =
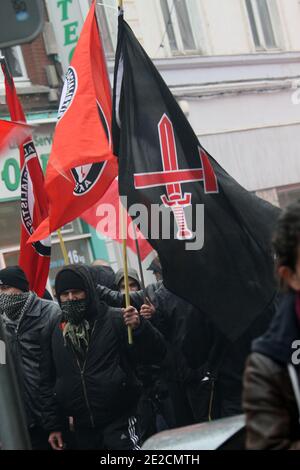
(172, 177)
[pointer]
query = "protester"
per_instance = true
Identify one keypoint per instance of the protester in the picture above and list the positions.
(271, 382)
(151, 407)
(134, 282)
(29, 322)
(203, 370)
(103, 275)
(90, 366)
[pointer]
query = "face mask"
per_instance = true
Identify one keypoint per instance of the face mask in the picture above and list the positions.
(76, 329)
(74, 311)
(13, 305)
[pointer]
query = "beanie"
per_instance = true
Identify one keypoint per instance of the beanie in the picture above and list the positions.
(68, 279)
(14, 276)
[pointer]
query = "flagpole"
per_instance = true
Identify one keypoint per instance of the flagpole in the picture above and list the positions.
(125, 263)
(6, 70)
(63, 247)
(139, 262)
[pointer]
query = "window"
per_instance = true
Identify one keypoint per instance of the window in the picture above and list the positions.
(15, 62)
(288, 195)
(263, 17)
(107, 18)
(182, 18)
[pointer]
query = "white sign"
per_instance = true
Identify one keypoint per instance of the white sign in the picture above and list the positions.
(10, 164)
(67, 18)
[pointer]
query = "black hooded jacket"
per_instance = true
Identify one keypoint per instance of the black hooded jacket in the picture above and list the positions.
(102, 386)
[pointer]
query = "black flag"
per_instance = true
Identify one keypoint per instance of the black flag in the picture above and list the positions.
(230, 278)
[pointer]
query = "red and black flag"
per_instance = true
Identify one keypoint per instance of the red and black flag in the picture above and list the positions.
(34, 258)
(81, 166)
(12, 133)
(107, 222)
(229, 275)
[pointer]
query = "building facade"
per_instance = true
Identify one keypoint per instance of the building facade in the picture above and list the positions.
(233, 65)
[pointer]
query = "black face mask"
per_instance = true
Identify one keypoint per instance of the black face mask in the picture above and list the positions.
(74, 311)
(13, 305)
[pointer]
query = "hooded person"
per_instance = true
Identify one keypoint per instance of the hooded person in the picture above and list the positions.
(133, 280)
(103, 275)
(89, 369)
(271, 397)
(202, 369)
(28, 322)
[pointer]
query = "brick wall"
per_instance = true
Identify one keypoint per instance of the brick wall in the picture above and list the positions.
(35, 58)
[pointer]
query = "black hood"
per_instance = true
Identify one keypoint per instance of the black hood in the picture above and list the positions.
(283, 331)
(94, 305)
(103, 276)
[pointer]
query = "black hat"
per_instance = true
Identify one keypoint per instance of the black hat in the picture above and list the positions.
(14, 276)
(68, 279)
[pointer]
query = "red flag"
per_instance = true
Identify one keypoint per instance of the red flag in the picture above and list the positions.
(34, 259)
(81, 165)
(105, 218)
(12, 132)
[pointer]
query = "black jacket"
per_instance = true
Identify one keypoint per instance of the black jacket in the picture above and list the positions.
(196, 349)
(26, 344)
(103, 386)
(189, 335)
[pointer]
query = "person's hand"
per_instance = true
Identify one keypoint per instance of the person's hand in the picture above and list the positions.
(147, 310)
(56, 441)
(131, 317)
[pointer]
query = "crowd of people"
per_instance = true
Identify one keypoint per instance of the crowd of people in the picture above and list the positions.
(84, 386)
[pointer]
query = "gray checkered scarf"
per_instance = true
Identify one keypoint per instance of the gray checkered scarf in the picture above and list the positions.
(13, 306)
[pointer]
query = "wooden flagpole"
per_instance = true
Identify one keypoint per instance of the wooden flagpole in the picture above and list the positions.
(63, 247)
(125, 263)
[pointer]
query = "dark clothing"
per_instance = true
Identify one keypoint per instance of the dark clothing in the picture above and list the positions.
(203, 369)
(39, 438)
(120, 434)
(26, 342)
(47, 295)
(284, 330)
(272, 416)
(103, 275)
(221, 362)
(114, 298)
(102, 386)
